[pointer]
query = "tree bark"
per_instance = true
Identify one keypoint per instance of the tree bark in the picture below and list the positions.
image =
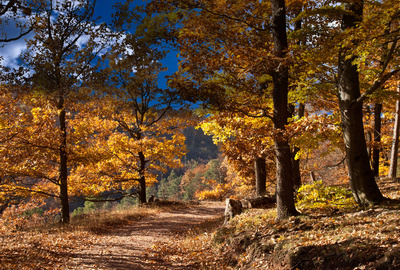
(362, 181)
(312, 177)
(261, 176)
(142, 178)
(301, 110)
(377, 138)
(284, 181)
(368, 136)
(65, 217)
(395, 143)
(296, 162)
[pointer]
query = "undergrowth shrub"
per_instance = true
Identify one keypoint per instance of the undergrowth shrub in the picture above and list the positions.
(318, 195)
(31, 212)
(247, 221)
(91, 207)
(127, 202)
(26, 215)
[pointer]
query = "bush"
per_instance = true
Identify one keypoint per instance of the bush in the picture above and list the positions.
(317, 195)
(108, 205)
(127, 202)
(29, 213)
(89, 207)
(78, 211)
(26, 215)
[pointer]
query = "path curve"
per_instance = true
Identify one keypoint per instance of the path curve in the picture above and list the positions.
(125, 247)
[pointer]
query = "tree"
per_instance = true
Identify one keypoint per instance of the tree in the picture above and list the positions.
(18, 13)
(192, 180)
(284, 177)
(9, 123)
(377, 137)
(295, 150)
(364, 187)
(395, 143)
(56, 67)
(229, 63)
(148, 136)
(229, 60)
(348, 39)
(247, 146)
(172, 185)
(261, 176)
(14, 12)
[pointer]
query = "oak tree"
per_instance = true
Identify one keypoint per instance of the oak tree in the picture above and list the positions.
(59, 60)
(150, 119)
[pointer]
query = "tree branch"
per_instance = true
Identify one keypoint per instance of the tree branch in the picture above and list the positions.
(382, 76)
(18, 37)
(375, 86)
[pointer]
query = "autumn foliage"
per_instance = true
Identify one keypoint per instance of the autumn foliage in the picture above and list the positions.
(307, 87)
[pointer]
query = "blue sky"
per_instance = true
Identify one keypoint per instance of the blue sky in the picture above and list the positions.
(11, 50)
(104, 10)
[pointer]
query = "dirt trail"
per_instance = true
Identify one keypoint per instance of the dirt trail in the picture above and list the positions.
(125, 247)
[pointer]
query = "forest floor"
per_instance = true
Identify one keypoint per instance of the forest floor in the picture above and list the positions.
(130, 246)
(118, 245)
(331, 233)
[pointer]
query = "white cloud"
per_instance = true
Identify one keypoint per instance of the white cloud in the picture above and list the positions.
(11, 51)
(82, 41)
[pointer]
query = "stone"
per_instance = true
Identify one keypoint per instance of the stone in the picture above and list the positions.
(233, 207)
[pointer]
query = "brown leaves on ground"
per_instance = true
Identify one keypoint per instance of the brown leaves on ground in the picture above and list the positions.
(114, 240)
(50, 247)
(41, 250)
(320, 238)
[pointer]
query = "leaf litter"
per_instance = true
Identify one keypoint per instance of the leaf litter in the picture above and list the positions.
(329, 235)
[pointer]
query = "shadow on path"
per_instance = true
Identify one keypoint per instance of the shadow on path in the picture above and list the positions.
(128, 246)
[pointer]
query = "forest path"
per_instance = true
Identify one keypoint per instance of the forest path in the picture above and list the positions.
(128, 246)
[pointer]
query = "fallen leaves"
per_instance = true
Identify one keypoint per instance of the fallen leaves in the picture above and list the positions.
(350, 238)
(320, 238)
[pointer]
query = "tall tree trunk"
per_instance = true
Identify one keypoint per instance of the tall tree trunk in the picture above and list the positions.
(261, 176)
(301, 110)
(296, 162)
(395, 143)
(142, 178)
(377, 138)
(368, 135)
(65, 218)
(362, 181)
(284, 181)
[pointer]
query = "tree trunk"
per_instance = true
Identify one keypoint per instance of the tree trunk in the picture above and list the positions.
(395, 143)
(362, 181)
(284, 181)
(377, 138)
(142, 180)
(301, 110)
(296, 162)
(261, 176)
(312, 177)
(65, 218)
(368, 136)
